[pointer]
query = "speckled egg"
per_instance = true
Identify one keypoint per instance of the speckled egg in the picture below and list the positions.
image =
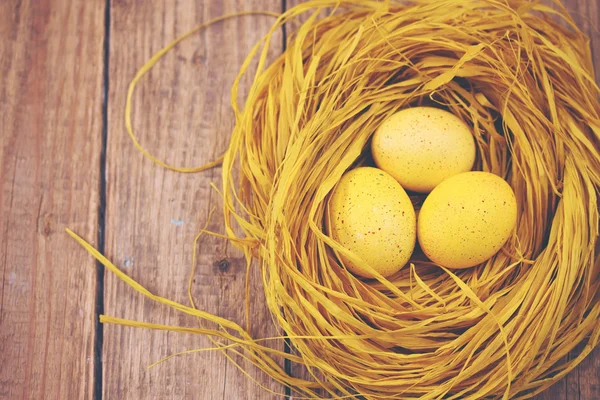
(422, 146)
(372, 216)
(466, 219)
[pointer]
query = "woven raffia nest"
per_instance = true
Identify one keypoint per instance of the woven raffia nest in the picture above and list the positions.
(525, 85)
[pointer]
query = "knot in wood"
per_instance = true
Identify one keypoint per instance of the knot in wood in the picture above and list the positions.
(223, 265)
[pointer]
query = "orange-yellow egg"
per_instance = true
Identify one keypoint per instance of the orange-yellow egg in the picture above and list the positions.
(422, 146)
(372, 216)
(467, 219)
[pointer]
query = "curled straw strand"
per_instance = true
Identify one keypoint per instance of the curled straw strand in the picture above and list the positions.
(525, 85)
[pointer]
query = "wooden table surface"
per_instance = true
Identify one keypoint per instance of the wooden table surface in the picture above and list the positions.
(66, 161)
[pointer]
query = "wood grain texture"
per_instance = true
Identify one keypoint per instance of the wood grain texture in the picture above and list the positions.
(182, 115)
(50, 143)
(51, 85)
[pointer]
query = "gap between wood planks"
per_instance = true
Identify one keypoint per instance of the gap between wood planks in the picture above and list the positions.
(98, 345)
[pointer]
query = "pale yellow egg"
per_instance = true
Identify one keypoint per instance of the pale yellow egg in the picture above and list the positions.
(372, 216)
(467, 219)
(422, 146)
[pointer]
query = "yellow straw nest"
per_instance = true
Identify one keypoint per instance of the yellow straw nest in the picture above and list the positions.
(524, 83)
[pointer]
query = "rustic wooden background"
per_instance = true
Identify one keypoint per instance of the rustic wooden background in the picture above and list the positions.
(65, 160)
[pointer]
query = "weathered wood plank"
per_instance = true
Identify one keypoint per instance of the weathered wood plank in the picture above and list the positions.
(51, 64)
(182, 115)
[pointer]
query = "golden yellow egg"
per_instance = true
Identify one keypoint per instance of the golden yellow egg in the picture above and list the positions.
(466, 219)
(372, 216)
(422, 146)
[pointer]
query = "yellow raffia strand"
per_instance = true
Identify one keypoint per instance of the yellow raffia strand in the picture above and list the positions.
(148, 66)
(525, 85)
